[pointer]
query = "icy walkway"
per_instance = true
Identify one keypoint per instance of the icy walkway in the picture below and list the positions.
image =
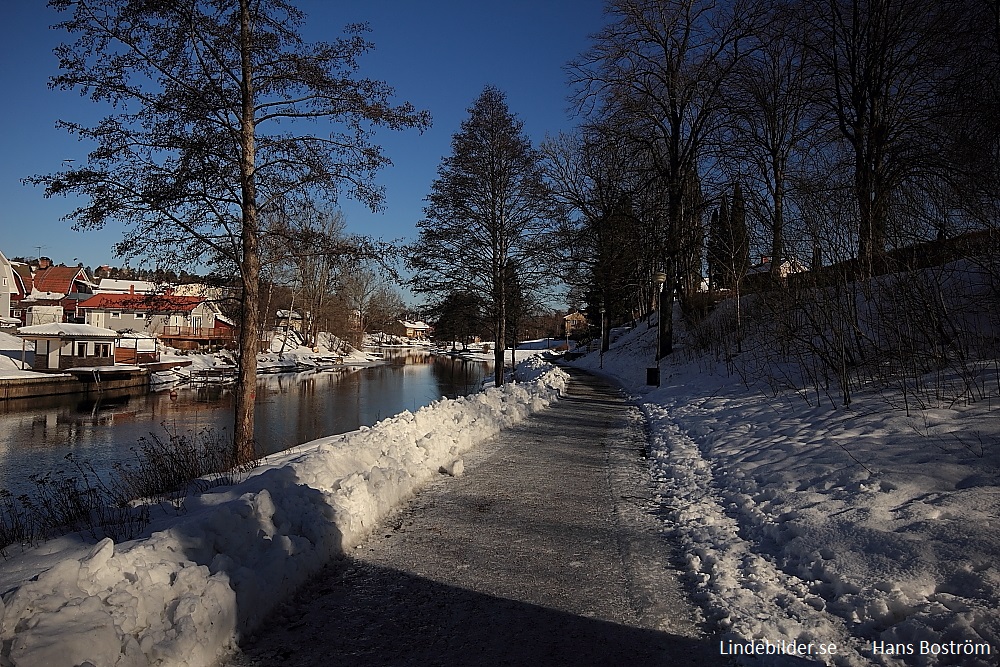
(541, 553)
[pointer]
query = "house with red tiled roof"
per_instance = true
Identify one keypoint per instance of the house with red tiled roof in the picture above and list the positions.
(64, 286)
(187, 322)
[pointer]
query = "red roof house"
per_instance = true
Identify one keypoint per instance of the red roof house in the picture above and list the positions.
(62, 286)
(181, 321)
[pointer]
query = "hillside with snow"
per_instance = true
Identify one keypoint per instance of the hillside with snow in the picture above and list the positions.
(871, 529)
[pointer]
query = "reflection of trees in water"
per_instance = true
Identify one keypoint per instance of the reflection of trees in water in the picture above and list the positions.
(457, 377)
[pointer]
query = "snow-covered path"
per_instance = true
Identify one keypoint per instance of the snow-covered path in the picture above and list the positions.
(541, 553)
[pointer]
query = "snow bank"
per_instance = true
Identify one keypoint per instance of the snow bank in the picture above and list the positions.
(182, 594)
(862, 528)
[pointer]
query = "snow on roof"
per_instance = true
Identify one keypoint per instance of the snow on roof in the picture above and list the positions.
(117, 286)
(786, 267)
(66, 330)
(415, 325)
(38, 295)
(131, 333)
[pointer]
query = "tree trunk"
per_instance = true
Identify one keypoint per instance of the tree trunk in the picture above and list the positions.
(246, 386)
(501, 336)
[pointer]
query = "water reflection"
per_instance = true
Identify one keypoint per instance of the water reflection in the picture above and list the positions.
(37, 434)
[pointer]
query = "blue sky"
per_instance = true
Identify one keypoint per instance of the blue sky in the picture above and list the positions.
(438, 54)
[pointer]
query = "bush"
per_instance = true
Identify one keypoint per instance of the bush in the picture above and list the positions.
(117, 505)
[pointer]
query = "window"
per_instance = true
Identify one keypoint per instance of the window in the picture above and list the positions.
(102, 349)
(115, 315)
(81, 349)
(139, 316)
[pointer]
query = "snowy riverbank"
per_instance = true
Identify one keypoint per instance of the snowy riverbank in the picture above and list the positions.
(862, 528)
(183, 592)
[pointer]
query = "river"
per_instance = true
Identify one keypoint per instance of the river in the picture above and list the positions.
(37, 434)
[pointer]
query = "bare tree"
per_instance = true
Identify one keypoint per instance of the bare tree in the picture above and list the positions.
(185, 161)
(878, 65)
(773, 114)
(368, 298)
(657, 72)
(592, 174)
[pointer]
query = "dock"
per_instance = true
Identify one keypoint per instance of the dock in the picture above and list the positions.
(83, 382)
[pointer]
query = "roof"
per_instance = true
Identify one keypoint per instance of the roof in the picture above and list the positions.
(415, 325)
(156, 303)
(116, 286)
(59, 279)
(23, 272)
(66, 330)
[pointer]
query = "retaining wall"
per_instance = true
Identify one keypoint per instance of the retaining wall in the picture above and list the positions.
(31, 387)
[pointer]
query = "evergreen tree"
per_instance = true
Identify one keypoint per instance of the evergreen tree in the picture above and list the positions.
(488, 214)
(739, 237)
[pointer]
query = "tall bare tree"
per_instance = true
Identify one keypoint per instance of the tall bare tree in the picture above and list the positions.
(657, 72)
(773, 115)
(593, 175)
(206, 98)
(878, 65)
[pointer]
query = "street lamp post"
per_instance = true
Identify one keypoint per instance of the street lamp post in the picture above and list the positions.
(602, 336)
(653, 374)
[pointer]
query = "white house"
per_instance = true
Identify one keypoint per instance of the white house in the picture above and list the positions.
(8, 286)
(62, 345)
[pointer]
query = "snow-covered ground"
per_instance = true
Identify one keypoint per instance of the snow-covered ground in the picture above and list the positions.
(10, 356)
(851, 536)
(182, 592)
(866, 534)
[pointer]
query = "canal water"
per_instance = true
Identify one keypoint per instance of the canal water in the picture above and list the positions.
(37, 434)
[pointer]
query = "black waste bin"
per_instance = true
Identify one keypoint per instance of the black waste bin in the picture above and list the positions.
(653, 376)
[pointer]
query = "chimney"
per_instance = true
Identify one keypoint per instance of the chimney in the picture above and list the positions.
(44, 262)
(131, 289)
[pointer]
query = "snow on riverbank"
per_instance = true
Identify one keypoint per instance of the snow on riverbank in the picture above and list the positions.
(862, 528)
(181, 594)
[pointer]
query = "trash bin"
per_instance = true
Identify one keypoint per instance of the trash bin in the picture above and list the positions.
(653, 376)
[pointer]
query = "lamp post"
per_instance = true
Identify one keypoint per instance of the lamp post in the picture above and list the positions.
(653, 374)
(602, 336)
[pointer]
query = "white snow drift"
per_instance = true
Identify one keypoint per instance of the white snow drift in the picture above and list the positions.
(183, 593)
